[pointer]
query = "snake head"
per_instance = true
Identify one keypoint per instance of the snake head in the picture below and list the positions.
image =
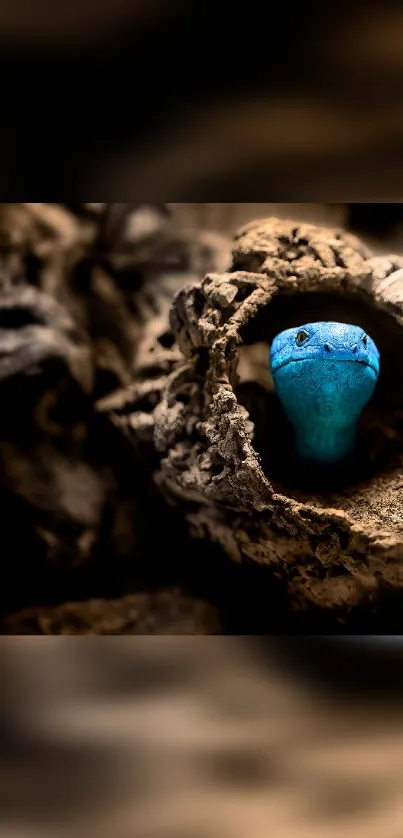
(324, 374)
(324, 342)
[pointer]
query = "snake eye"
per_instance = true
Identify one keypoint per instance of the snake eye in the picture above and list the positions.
(301, 337)
(365, 340)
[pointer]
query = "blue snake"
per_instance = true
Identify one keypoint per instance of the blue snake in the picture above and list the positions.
(324, 375)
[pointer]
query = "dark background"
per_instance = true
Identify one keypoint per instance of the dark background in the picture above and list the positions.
(193, 101)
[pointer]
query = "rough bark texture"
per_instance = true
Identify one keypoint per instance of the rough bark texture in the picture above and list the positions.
(335, 547)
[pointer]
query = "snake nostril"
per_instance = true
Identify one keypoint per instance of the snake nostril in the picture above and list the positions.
(354, 349)
(327, 347)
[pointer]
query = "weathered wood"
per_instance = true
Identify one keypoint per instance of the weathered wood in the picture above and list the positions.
(85, 291)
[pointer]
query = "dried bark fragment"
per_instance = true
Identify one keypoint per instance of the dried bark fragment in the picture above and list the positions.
(131, 408)
(336, 547)
(162, 612)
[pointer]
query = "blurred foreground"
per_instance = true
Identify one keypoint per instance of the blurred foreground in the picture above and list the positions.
(192, 737)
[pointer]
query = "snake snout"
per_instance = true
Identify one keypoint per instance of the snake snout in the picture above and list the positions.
(343, 352)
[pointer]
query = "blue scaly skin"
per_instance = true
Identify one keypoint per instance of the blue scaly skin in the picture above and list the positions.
(324, 375)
